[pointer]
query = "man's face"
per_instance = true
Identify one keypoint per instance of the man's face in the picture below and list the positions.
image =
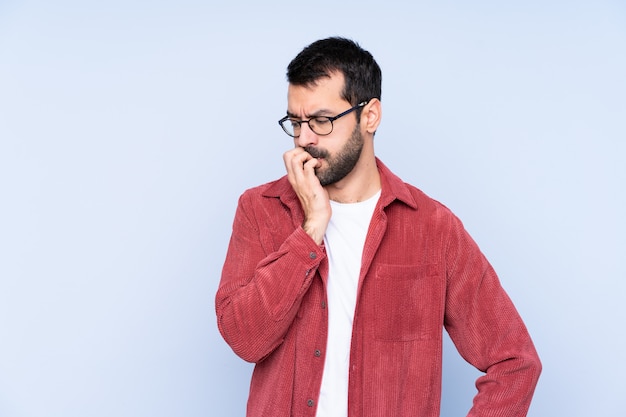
(339, 151)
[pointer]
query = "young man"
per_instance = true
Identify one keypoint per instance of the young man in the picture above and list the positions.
(339, 277)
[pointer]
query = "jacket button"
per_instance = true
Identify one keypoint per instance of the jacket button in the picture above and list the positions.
(318, 353)
(323, 304)
(312, 255)
(310, 403)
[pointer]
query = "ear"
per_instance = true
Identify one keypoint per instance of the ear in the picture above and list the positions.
(371, 115)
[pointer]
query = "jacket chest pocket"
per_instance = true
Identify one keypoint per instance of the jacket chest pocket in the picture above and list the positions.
(406, 302)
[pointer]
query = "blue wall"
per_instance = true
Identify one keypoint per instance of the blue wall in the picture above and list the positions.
(129, 129)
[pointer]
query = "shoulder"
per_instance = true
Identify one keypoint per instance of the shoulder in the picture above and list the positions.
(276, 189)
(432, 212)
(267, 198)
(428, 203)
(398, 192)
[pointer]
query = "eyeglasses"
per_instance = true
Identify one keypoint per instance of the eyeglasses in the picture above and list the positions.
(320, 125)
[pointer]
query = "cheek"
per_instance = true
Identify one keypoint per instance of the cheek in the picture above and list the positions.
(332, 152)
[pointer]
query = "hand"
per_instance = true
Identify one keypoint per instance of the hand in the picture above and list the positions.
(313, 197)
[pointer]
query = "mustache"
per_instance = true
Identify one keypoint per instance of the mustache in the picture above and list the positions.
(316, 152)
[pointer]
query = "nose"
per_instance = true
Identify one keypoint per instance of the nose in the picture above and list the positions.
(307, 136)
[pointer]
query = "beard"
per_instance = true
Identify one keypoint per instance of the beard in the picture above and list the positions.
(340, 164)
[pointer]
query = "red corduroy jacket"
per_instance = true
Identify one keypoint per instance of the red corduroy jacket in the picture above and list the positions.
(421, 271)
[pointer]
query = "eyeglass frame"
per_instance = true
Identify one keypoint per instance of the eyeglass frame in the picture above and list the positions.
(330, 119)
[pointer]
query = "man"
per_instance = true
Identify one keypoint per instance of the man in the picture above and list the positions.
(339, 277)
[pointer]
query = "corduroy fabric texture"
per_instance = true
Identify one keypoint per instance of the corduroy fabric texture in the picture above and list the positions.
(421, 272)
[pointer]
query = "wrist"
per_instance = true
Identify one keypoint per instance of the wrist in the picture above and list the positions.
(315, 232)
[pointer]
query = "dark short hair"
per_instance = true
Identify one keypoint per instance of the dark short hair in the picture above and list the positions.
(322, 58)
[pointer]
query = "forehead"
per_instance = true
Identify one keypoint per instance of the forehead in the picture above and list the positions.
(325, 93)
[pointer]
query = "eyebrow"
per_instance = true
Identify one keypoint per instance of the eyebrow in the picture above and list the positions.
(318, 113)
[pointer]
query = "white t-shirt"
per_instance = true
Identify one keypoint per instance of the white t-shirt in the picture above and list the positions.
(344, 241)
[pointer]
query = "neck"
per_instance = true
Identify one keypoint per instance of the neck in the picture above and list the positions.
(359, 185)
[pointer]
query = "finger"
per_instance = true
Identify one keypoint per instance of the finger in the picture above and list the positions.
(297, 154)
(310, 165)
(294, 164)
(295, 160)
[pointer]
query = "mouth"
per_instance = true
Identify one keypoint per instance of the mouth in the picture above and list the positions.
(316, 153)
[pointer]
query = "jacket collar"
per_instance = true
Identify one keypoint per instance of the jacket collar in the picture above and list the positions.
(393, 188)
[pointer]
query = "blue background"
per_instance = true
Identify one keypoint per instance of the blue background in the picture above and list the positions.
(129, 128)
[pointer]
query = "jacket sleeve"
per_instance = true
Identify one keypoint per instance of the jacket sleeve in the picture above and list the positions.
(488, 331)
(261, 289)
